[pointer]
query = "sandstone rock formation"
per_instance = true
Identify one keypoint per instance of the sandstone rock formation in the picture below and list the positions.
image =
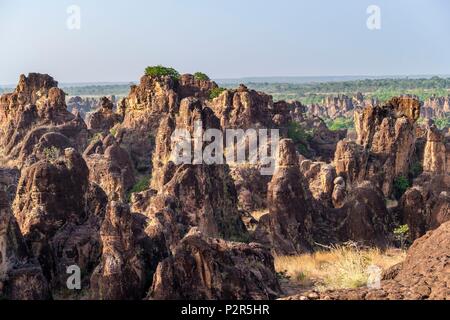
(35, 108)
(384, 145)
(287, 227)
(21, 276)
(203, 268)
(59, 213)
(110, 167)
(103, 119)
(129, 257)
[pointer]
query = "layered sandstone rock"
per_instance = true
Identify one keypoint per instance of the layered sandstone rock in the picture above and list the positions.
(203, 268)
(205, 193)
(437, 153)
(59, 213)
(243, 108)
(426, 205)
(21, 276)
(36, 107)
(384, 145)
(110, 167)
(129, 257)
(287, 227)
(103, 119)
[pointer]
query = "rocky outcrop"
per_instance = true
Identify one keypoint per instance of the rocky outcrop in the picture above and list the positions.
(110, 167)
(36, 107)
(129, 257)
(319, 177)
(426, 205)
(205, 193)
(203, 268)
(103, 119)
(437, 153)
(287, 227)
(59, 213)
(384, 145)
(243, 108)
(435, 107)
(423, 275)
(21, 276)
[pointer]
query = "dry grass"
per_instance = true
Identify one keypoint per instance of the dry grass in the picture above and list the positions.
(339, 268)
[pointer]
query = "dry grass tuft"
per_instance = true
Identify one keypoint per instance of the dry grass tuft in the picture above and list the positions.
(339, 268)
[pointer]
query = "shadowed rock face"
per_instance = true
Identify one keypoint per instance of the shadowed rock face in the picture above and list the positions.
(35, 108)
(59, 213)
(287, 227)
(213, 269)
(21, 276)
(129, 257)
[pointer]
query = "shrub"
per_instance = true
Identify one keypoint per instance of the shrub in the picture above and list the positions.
(215, 92)
(141, 185)
(299, 136)
(200, 76)
(401, 184)
(401, 234)
(340, 123)
(52, 153)
(416, 169)
(95, 138)
(160, 71)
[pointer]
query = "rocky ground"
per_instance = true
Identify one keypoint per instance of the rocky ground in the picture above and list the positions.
(104, 195)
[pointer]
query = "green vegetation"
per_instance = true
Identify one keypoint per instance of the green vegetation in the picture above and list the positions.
(340, 123)
(120, 90)
(300, 137)
(382, 89)
(442, 123)
(416, 169)
(52, 153)
(214, 93)
(95, 138)
(200, 76)
(401, 184)
(401, 234)
(141, 185)
(161, 71)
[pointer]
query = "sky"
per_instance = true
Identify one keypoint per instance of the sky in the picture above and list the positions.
(225, 39)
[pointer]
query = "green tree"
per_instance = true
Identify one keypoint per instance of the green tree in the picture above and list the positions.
(160, 71)
(200, 76)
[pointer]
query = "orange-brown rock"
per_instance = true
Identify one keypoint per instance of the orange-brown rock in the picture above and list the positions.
(110, 167)
(203, 268)
(103, 119)
(288, 225)
(21, 276)
(59, 213)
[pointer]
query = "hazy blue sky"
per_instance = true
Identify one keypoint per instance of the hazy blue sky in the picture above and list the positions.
(225, 39)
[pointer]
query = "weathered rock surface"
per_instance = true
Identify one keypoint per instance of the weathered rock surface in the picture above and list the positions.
(287, 227)
(21, 276)
(384, 145)
(103, 119)
(203, 268)
(129, 257)
(36, 107)
(59, 213)
(110, 167)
